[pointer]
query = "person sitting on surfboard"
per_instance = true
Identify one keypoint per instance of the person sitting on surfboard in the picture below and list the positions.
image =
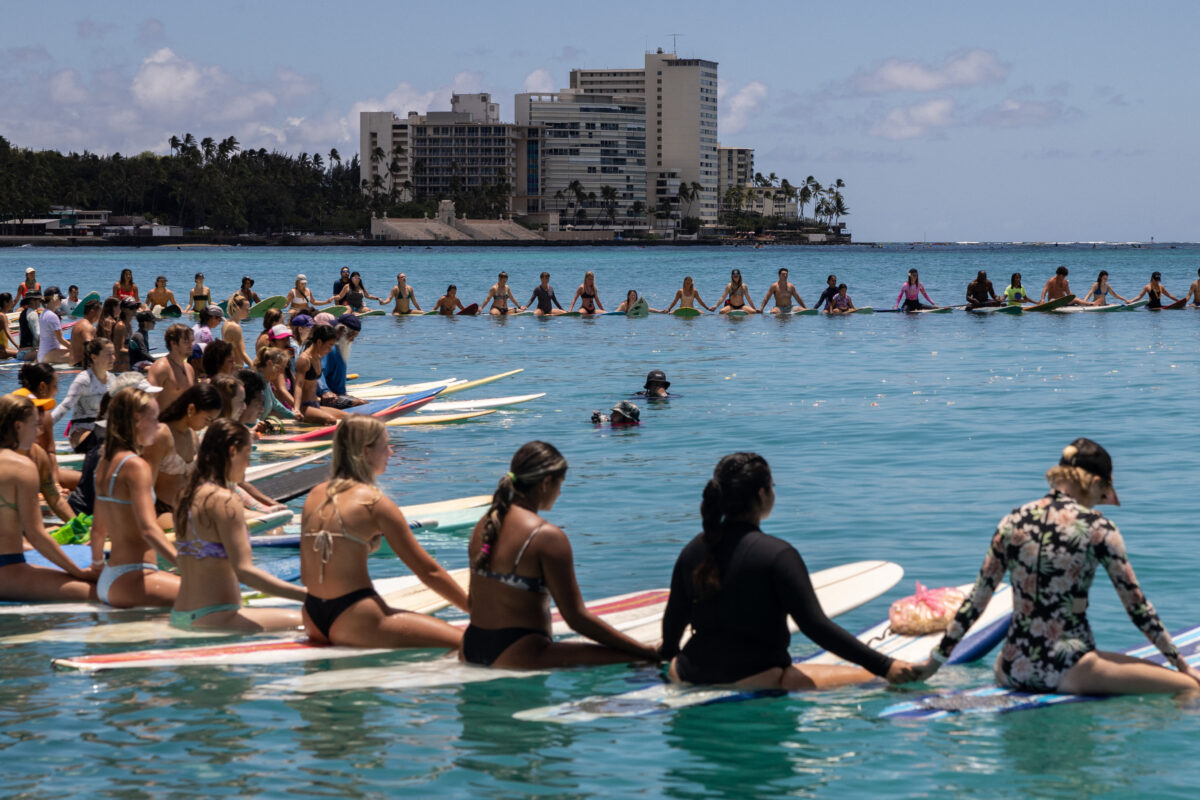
(448, 303)
(354, 294)
(589, 301)
(543, 295)
(911, 293)
(404, 295)
(784, 292)
(736, 586)
(1155, 290)
(499, 295)
(736, 296)
(199, 296)
(332, 383)
(840, 303)
(687, 295)
(214, 548)
(160, 296)
(1014, 293)
(1056, 287)
(623, 413)
(345, 520)
(519, 562)
(1053, 547)
(246, 290)
(631, 298)
(656, 385)
(831, 284)
(980, 293)
(139, 343)
(1194, 292)
(84, 330)
(1100, 291)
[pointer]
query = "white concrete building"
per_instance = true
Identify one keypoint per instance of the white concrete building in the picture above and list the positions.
(735, 168)
(382, 145)
(589, 142)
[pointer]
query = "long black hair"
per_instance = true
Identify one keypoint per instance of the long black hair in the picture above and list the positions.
(204, 396)
(212, 465)
(530, 465)
(730, 494)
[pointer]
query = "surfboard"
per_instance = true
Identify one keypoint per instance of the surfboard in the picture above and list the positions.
(457, 513)
(938, 310)
(294, 649)
(805, 312)
(395, 408)
(370, 312)
(437, 419)
(336, 311)
(864, 310)
(463, 386)
(367, 384)
(290, 485)
(469, 311)
(736, 314)
(1050, 305)
(995, 310)
(260, 309)
(78, 312)
(472, 405)
(638, 615)
(639, 309)
(169, 312)
(292, 447)
(686, 312)
(379, 392)
(259, 472)
(1133, 306)
(998, 700)
(1178, 304)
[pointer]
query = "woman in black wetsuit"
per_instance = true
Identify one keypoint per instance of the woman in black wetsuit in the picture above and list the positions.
(736, 586)
(1156, 291)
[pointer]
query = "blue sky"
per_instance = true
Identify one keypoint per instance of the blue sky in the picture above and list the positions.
(947, 120)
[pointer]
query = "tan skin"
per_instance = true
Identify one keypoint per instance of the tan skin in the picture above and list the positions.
(1102, 672)
(1056, 287)
(448, 303)
(1099, 300)
(784, 292)
(67, 478)
(1193, 293)
(403, 294)
(498, 296)
(548, 556)
(371, 622)
(160, 295)
(133, 530)
(735, 290)
(182, 437)
(686, 295)
(25, 582)
(83, 332)
(217, 515)
(127, 285)
(805, 677)
(306, 390)
(832, 309)
(631, 297)
(199, 289)
(173, 372)
(589, 286)
(47, 485)
(1155, 286)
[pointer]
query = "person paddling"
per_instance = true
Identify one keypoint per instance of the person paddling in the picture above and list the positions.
(736, 586)
(519, 562)
(1052, 547)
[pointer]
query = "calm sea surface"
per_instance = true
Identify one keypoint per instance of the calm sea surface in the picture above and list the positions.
(890, 436)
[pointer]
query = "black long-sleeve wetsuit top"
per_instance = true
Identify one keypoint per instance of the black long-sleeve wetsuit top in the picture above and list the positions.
(741, 629)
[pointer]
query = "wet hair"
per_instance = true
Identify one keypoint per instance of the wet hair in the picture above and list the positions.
(782, 270)
(830, 278)
(631, 292)
(216, 353)
(202, 396)
(253, 384)
(111, 308)
(93, 348)
(121, 430)
(1062, 271)
(502, 275)
(272, 318)
(14, 408)
(227, 385)
(730, 494)
(198, 276)
(145, 318)
(321, 333)
(688, 279)
(211, 465)
(981, 275)
(176, 333)
(530, 465)
(5, 299)
(544, 275)
(268, 355)
(451, 288)
(34, 374)
(162, 278)
(357, 274)
(841, 286)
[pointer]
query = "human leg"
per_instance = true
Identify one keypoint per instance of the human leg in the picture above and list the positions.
(28, 583)
(1101, 673)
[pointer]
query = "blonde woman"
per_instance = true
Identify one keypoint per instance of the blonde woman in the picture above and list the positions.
(687, 295)
(300, 297)
(589, 302)
(344, 521)
(21, 518)
(125, 509)
(214, 547)
(231, 332)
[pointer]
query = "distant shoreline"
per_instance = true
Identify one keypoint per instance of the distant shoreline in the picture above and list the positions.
(329, 241)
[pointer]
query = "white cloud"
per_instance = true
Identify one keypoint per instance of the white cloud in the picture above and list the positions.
(540, 80)
(970, 68)
(1013, 113)
(737, 110)
(64, 87)
(293, 85)
(911, 122)
(166, 82)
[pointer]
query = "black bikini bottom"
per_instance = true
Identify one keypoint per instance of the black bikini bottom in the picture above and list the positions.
(484, 646)
(324, 613)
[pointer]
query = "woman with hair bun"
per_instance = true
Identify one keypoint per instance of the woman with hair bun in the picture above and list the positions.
(518, 563)
(736, 586)
(345, 520)
(1053, 547)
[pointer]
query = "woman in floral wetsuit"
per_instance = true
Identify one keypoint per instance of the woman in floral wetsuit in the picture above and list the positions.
(1052, 547)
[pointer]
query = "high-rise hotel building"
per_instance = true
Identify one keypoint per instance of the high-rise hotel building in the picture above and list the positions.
(681, 119)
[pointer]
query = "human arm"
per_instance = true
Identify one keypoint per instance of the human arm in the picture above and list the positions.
(30, 515)
(78, 388)
(137, 480)
(700, 300)
(578, 292)
(799, 300)
(48, 486)
(390, 519)
(229, 521)
(767, 296)
(1163, 289)
(259, 497)
(558, 568)
(1114, 294)
(724, 294)
(675, 618)
(678, 298)
(749, 302)
(899, 297)
(1141, 294)
(599, 305)
(412, 298)
(925, 294)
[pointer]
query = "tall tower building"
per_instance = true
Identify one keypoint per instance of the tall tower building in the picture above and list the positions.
(681, 120)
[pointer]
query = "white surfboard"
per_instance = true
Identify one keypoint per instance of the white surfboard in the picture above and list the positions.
(259, 471)
(481, 403)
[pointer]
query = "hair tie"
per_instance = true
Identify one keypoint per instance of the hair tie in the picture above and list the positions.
(485, 550)
(511, 477)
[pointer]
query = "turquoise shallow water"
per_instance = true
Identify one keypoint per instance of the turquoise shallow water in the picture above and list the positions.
(890, 436)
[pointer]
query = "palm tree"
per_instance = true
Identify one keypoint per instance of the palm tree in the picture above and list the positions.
(210, 148)
(684, 195)
(174, 142)
(697, 192)
(609, 195)
(803, 197)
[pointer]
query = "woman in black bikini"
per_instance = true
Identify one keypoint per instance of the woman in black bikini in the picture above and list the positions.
(343, 522)
(518, 563)
(1155, 291)
(586, 294)
(736, 296)
(308, 369)
(199, 296)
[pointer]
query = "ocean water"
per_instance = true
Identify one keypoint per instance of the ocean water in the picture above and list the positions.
(890, 436)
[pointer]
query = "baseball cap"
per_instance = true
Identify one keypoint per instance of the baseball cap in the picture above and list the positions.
(280, 332)
(1090, 457)
(324, 318)
(302, 321)
(30, 270)
(215, 311)
(44, 403)
(351, 321)
(51, 291)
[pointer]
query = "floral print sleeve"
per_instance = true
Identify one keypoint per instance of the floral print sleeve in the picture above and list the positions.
(995, 564)
(1110, 552)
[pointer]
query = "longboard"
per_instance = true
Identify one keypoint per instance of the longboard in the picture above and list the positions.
(397, 407)
(367, 384)
(443, 515)
(636, 617)
(290, 485)
(292, 447)
(639, 309)
(474, 405)
(438, 419)
(1050, 305)
(1178, 304)
(260, 472)
(997, 700)
(995, 310)
(294, 649)
(336, 311)
(686, 312)
(260, 309)
(469, 311)
(452, 386)
(78, 312)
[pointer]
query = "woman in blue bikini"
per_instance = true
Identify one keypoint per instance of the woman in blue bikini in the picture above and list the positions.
(125, 509)
(214, 548)
(21, 518)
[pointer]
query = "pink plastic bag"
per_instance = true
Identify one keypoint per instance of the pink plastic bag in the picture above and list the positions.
(927, 611)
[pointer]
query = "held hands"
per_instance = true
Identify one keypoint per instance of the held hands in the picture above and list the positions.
(903, 672)
(925, 670)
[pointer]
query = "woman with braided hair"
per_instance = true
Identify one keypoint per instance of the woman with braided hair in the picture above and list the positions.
(736, 586)
(518, 563)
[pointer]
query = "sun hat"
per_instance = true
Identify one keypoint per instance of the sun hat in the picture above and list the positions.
(656, 376)
(280, 332)
(351, 321)
(628, 410)
(1089, 456)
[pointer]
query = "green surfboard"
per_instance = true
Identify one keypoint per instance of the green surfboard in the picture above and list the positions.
(686, 312)
(639, 309)
(78, 312)
(260, 309)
